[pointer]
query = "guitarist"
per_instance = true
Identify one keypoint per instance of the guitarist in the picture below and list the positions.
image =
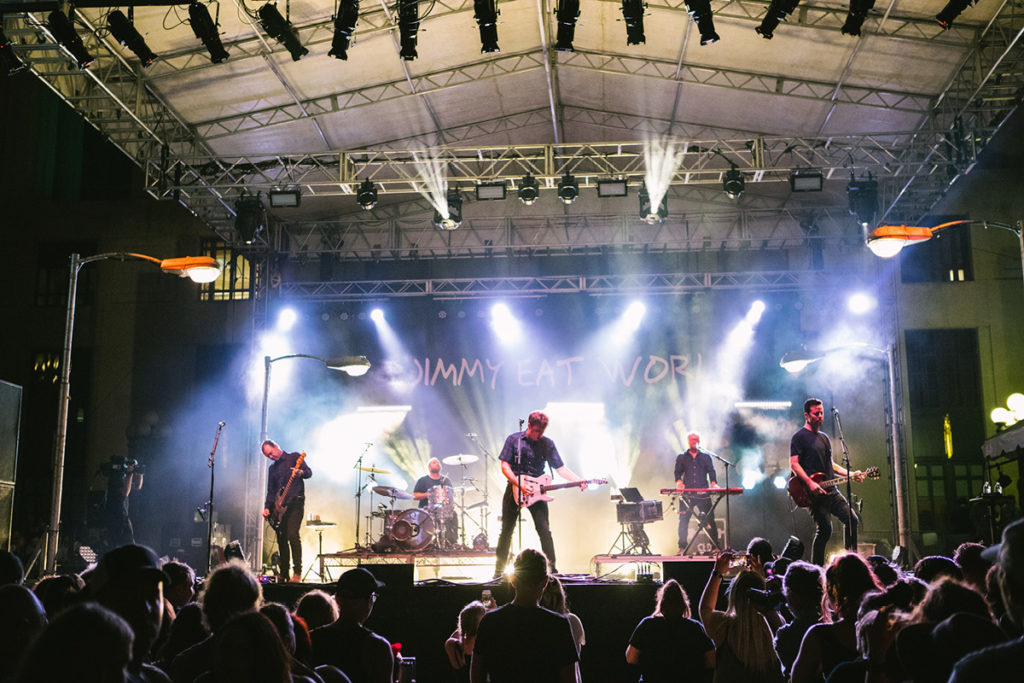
(811, 453)
(527, 453)
(290, 519)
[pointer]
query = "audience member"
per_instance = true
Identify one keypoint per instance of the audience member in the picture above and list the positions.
(553, 598)
(759, 556)
(187, 630)
(928, 650)
(973, 566)
(847, 580)
(85, 643)
(282, 621)
(11, 570)
(932, 568)
(361, 654)
(669, 645)
(884, 570)
(182, 582)
(1001, 659)
(945, 598)
(248, 649)
(904, 595)
(522, 640)
(22, 618)
(459, 646)
(58, 592)
(742, 634)
(804, 589)
(317, 609)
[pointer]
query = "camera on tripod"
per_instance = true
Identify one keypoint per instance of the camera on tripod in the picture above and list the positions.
(118, 465)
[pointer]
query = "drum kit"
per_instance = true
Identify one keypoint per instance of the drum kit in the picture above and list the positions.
(434, 527)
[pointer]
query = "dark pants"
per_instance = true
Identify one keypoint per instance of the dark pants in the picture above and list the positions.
(509, 517)
(702, 506)
(821, 508)
(289, 546)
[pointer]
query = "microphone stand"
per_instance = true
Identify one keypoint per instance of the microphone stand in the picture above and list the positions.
(849, 478)
(728, 518)
(209, 503)
(519, 476)
(359, 491)
(485, 512)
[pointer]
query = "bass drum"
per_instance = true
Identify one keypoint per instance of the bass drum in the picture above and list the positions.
(413, 530)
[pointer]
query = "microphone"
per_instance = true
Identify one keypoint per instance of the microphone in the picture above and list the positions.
(835, 411)
(221, 424)
(521, 421)
(471, 435)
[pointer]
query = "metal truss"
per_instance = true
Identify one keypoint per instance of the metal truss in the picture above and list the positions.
(541, 286)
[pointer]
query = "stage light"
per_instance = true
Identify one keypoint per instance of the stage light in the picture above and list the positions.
(281, 30)
(250, 218)
(756, 311)
(453, 220)
(567, 12)
(286, 319)
(529, 190)
(205, 29)
(612, 188)
(344, 27)
(859, 303)
(806, 180)
(486, 14)
(377, 315)
(777, 11)
(855, 16)
(490, 191)
(732, 183)
(633, 13)
(63, 30)
(863, 198)
(367, 195)
(568, 189)
(9, 61)
(408, 27)
(649, 214)
(504, 324)
(285, 198)
(124, 32)
(779, 481)
(634, 315)
(951, 11)
(700, 11)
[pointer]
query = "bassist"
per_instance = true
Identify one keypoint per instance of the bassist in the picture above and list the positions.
(289, 513)
(811, 453)
(527, 453)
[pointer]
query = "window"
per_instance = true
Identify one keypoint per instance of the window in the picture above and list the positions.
(235, 281)
(944, 258)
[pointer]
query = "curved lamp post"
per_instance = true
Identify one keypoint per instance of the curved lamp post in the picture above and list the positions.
(796, 361)
(197, 268)
(353, 366)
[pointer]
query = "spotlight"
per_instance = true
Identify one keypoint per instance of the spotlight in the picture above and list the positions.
(124, 32)
(863, 197)
(855, 17)
(486, 14)
(504, 324)
(377, 315)
(633, 13)
(860, 303)
(951, 11)
(777, 11)
(9, 61)
(634, 315)
(700, 11)
(568, 189)
(367, 195)
(529, 190)
(344, 27)
(281, 30)
(806, 180)
(285, 198)
(286, 319)
(206, 31)
(454, 218)
(64, 31)
(649, 214)
(779, 481)
(250, 218)
(732, 183)
(567, 12)
(408, 27)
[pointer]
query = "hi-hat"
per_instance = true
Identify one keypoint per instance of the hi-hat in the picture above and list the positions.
(374, 470)
(392, 492)
(460, 459)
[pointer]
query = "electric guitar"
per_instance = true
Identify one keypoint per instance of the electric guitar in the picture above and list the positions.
(542, 484)
(801, 493)
(279, 505)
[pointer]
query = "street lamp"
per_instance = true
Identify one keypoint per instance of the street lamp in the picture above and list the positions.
(888, 240)
(199, 268)
(796, 361)
(353, 366)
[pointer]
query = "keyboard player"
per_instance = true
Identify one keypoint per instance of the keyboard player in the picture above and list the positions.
(695, 470)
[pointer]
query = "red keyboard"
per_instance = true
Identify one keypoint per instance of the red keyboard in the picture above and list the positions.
(683, 492)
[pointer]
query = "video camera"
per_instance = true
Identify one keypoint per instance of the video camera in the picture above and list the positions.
(121, 465)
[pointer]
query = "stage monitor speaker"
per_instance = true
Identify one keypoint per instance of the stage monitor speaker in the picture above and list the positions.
(10, 426)
(691, 574)
(393, 575)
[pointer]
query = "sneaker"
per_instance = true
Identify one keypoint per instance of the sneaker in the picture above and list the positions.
(295, 579)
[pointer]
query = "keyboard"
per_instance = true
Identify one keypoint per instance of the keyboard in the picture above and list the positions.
(684, 492)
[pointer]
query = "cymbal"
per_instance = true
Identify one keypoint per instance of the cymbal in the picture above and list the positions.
(460, 459)
(392, 492)
(317, 522)
(375, 470)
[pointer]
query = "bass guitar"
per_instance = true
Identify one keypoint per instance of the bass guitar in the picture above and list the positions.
(279, 505)
(542, 484)
(801, 493)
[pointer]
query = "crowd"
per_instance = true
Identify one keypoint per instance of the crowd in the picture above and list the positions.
(134, 618)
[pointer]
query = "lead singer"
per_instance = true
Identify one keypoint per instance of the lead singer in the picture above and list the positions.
(526, 453)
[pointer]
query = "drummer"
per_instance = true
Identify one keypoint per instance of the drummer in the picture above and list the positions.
(424, 484)
(435, 490)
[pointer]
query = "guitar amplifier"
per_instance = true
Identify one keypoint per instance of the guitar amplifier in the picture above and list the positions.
(642, 512)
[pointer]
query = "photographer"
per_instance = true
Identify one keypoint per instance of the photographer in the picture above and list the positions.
(124, 475)
(743, 633)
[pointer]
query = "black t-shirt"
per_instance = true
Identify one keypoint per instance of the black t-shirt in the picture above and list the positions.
(425, 483)
(670, 649)
(520, 644)
(813, 451)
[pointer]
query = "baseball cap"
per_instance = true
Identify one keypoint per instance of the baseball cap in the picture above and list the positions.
(357, 583)
(122, 565)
